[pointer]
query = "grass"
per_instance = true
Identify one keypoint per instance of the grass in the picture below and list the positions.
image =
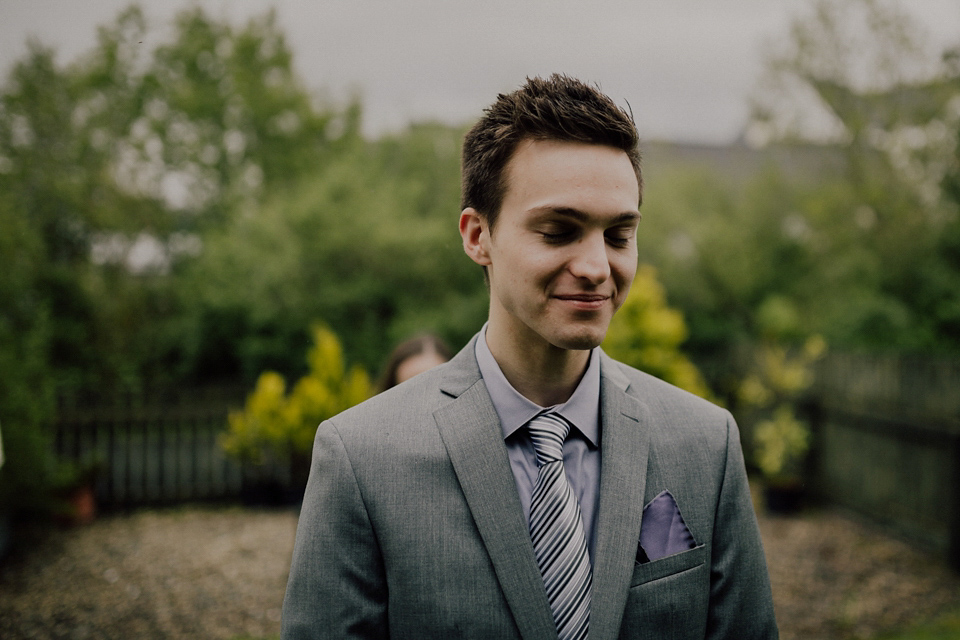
(946, 627)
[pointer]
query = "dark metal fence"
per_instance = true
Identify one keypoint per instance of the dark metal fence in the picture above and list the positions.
(888, 443)
(155, 449)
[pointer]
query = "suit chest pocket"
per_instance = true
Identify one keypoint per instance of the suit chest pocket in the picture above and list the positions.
(668, 566)
(668, 598)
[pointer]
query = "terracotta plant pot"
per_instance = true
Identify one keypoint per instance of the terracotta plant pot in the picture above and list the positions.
(80, 506)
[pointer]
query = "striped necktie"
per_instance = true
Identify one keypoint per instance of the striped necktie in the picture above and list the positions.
(556, 529)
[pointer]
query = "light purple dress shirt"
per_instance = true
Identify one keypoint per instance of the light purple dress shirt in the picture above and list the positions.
(581, 450)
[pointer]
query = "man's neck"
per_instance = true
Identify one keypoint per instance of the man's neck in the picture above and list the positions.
(544, 374)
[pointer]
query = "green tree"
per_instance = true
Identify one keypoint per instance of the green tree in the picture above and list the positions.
(863, 248)
(886, 231)
(26, 387)
(722, 250)
(113, 168)
(120, 162)
(368, 242)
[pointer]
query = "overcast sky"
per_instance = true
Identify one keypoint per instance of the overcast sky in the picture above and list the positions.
(685, 66)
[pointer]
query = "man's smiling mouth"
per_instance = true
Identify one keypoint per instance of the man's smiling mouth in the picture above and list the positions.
(585, 301)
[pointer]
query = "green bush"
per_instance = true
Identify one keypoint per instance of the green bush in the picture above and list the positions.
(768, 396)
(275, 425)
(646, 334)
(946, 627)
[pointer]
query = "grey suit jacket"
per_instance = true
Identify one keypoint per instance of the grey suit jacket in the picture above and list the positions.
(411, 525)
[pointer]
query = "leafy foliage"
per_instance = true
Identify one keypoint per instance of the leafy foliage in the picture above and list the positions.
(112, 169)
(369, 245)
(183, 214)
(861, 249)
(769, 396)
(781, 442)
(117, 165)
(274, 425)
(647, 334)
(886, 230)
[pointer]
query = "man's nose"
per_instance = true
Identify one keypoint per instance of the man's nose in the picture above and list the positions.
(590, 261)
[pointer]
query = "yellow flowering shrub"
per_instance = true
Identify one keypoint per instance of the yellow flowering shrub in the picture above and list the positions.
(274, 425)
(780, 439)
(781, 443)
(646, 334)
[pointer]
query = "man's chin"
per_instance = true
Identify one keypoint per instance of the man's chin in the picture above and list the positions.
(579, 341)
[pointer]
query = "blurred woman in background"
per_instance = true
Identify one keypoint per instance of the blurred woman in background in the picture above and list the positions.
(414, 356)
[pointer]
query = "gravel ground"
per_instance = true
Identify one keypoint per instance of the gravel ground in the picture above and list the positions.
(220, 573)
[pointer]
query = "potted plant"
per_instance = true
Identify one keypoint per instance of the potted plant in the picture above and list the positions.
(781, 443)
(779, 439)
(74, 488)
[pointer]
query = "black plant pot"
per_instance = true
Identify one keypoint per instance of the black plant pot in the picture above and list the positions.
(784, 498)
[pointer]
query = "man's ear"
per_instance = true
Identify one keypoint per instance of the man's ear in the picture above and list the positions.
(476, 236)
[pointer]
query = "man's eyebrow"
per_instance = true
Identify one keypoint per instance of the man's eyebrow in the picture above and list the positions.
(580, 216)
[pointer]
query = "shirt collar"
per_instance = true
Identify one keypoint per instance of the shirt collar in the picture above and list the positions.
(514, 410)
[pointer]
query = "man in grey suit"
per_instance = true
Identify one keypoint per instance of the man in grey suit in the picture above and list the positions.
(533, 487)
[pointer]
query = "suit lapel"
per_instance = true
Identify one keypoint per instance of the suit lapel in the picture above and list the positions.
(624, 448)
(471, 433)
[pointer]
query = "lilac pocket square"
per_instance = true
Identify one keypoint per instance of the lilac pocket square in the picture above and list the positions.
(662, 530)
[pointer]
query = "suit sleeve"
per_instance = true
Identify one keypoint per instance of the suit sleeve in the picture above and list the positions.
(741, 604)
(336, 587)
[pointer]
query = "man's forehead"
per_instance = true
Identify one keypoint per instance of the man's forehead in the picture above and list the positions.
(552, 154)
(581, 216)
(572, 175)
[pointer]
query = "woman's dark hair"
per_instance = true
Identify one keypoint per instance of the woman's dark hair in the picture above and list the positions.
(423, 343)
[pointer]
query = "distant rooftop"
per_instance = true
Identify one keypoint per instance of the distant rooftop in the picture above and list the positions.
(738, 161)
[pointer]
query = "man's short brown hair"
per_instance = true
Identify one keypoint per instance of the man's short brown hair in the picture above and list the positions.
(558, 108)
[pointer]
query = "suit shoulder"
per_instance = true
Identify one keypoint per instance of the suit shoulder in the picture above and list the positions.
(667, 397)
(679, 421)
(420, 396)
